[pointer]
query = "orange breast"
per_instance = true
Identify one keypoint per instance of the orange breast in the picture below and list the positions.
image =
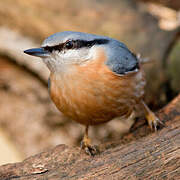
(92, 94)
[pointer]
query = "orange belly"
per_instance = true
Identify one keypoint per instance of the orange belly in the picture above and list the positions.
(91, 94)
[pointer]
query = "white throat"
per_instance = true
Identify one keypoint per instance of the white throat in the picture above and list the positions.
(62, 62)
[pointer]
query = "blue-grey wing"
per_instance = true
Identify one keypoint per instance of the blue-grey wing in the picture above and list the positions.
(120, 59)
(49, 85)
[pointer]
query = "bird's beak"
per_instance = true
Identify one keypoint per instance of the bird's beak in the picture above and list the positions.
(38, 52)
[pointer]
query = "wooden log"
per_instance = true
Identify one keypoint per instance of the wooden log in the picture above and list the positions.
(49, 126)
(146, 156)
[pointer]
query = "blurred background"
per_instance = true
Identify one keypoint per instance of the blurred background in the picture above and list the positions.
(29, 122)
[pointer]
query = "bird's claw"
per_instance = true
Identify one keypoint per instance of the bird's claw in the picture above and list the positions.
(89, 149)
(153, 121)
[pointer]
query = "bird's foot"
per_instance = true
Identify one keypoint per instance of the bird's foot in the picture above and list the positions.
(153, 120)
(88, 148)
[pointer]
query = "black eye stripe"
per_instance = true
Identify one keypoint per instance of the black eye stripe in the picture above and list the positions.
(54, 48)
(83, 43)
(77, 44)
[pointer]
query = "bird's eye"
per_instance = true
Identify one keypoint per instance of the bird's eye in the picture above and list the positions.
(69, 45)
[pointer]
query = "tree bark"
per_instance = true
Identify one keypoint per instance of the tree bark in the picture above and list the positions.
(140, 154)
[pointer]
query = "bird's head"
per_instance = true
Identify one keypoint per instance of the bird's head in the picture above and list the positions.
(61, 50)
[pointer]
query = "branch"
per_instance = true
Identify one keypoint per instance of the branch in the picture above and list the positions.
(135, 156)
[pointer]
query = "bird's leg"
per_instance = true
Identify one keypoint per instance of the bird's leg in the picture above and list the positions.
(86, 144)
(152, 119)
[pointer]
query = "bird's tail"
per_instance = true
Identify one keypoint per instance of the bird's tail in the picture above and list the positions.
(142, 60)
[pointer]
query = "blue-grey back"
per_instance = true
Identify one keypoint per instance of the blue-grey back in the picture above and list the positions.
(120, 59)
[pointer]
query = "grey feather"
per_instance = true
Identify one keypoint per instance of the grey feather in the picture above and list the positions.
(120, 59)
(49, 85)
(61, 37)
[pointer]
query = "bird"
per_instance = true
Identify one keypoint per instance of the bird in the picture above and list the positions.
(93, 79)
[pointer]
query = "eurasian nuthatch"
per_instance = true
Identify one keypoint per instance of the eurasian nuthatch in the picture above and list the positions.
(93, 79)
